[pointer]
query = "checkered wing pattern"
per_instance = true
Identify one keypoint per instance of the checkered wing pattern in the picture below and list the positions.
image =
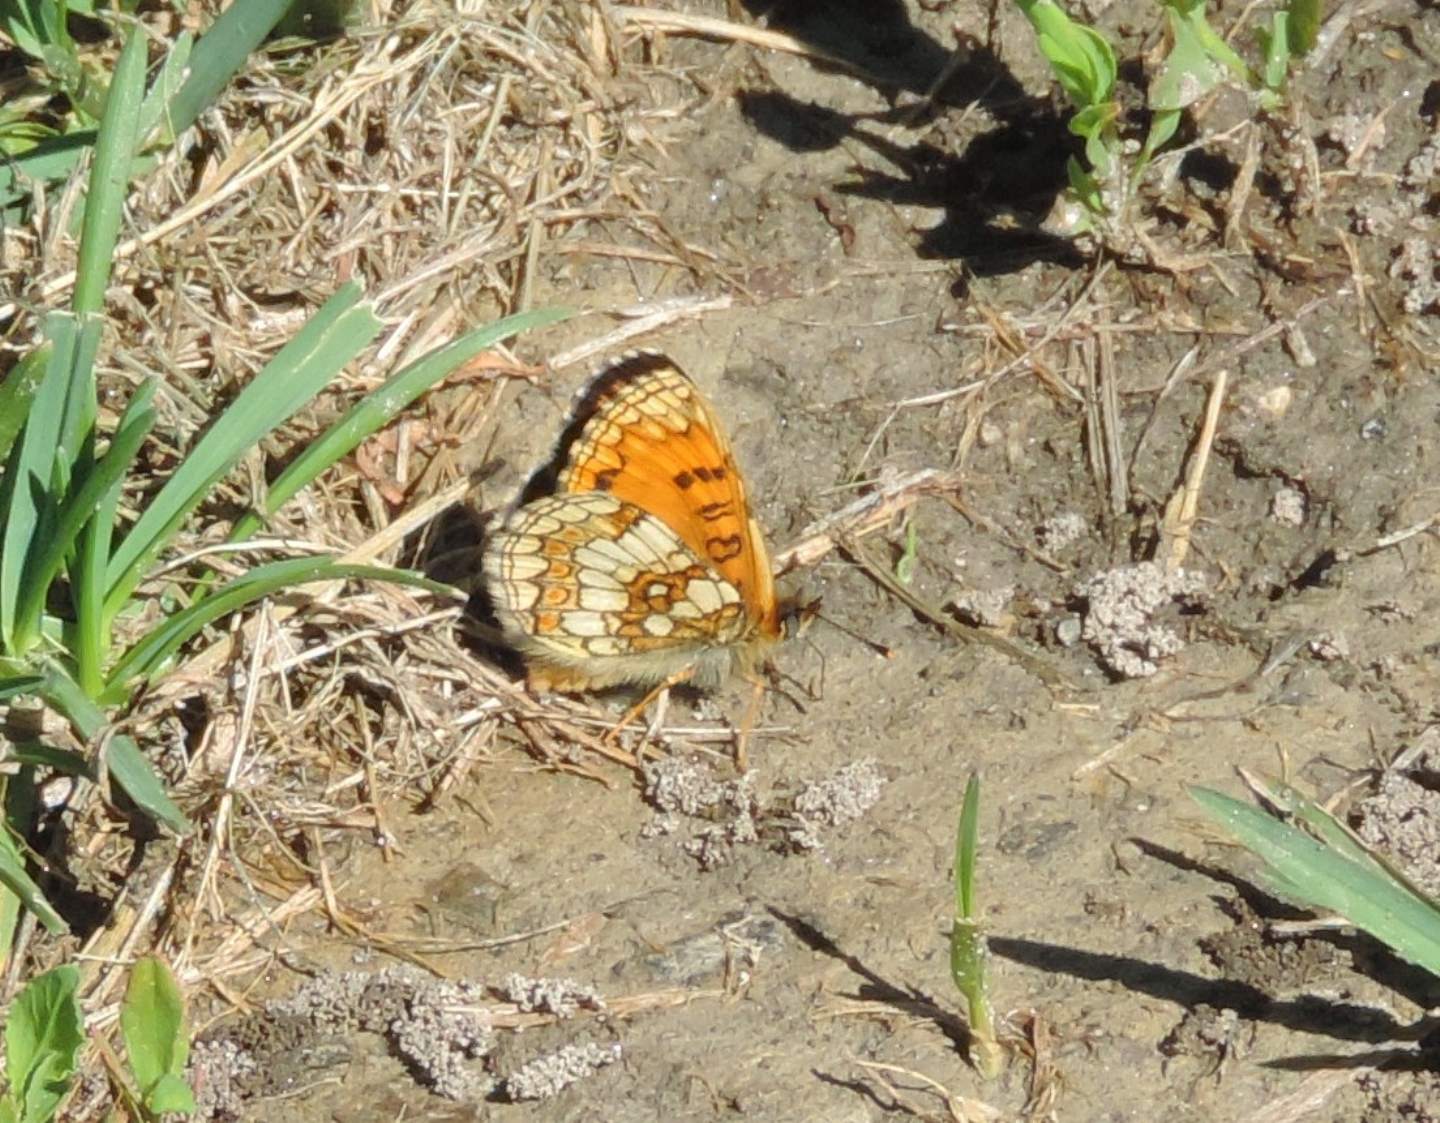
(645, 561)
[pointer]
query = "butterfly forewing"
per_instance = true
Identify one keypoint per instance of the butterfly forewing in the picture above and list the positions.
(648, 437)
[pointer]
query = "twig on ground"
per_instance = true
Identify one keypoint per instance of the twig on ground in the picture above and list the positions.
(1180, 512)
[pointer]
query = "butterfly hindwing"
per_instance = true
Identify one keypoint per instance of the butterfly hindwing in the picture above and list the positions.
(590, 581)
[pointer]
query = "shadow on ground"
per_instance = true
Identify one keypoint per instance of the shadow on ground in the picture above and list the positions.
(994, 188)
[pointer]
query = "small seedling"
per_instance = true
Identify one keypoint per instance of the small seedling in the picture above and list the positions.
(1315, 860)
(909, 556)
(969, 955)
(1197, 61)
(152, 1020)
(43, 1038)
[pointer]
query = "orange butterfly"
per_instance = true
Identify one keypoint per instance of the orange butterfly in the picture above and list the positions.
(644, 565)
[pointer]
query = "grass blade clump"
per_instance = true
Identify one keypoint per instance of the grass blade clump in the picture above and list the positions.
(1317, 862)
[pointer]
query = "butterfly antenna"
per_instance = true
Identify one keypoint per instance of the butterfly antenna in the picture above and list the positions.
(880, 649)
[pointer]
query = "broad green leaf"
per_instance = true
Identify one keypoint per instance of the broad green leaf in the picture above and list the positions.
(43, 1037)
(1187, 18)
(152, 1021)
(170, 1094)
(317, 353)
(1320, 876)
(381, 405)
(1190, 70)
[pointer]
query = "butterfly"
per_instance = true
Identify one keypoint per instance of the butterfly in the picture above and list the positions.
(643, 565)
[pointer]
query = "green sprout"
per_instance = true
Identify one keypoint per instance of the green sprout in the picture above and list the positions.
(969, 954)
(1197, 61)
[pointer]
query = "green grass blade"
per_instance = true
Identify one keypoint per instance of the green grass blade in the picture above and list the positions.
(87, 575)
(966, 844)
(147, 657)
(15, 686)
(1314, 873)
(221, 52)
(27, 494)
(19, 811)
(110, 177)
(79, 508)
(73, 453)
(163, 91)
(331, 338)
(18, 882)
(16, 393)
(378, 407)
(123, 759)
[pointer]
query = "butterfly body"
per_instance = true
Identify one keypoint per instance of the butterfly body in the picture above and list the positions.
(644, 564)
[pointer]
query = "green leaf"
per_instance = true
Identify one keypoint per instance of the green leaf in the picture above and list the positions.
(123, 759)
(16, 392)
(16, 879)
(1082, 59)
(146, 657)
(162, 93)
(170, 1094)
(381, 405)
(110, 176)
(48, 161)
(1189, 71)
(329, 340)
(1085, 188)
(1187, 21)
(152, 1021)
(1305, 19)
(37, 26)
(28, 496)
(87, 572)
(221, 52)
(43, 1037)
(13, 686)
(80, 505)
(1322, 876)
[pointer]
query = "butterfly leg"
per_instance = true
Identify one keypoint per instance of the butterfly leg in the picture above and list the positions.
(639, 707)
(747, 723)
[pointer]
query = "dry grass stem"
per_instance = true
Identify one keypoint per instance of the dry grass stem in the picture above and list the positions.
(1180, 512)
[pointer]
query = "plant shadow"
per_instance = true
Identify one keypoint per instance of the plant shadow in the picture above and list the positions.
(994, 189)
